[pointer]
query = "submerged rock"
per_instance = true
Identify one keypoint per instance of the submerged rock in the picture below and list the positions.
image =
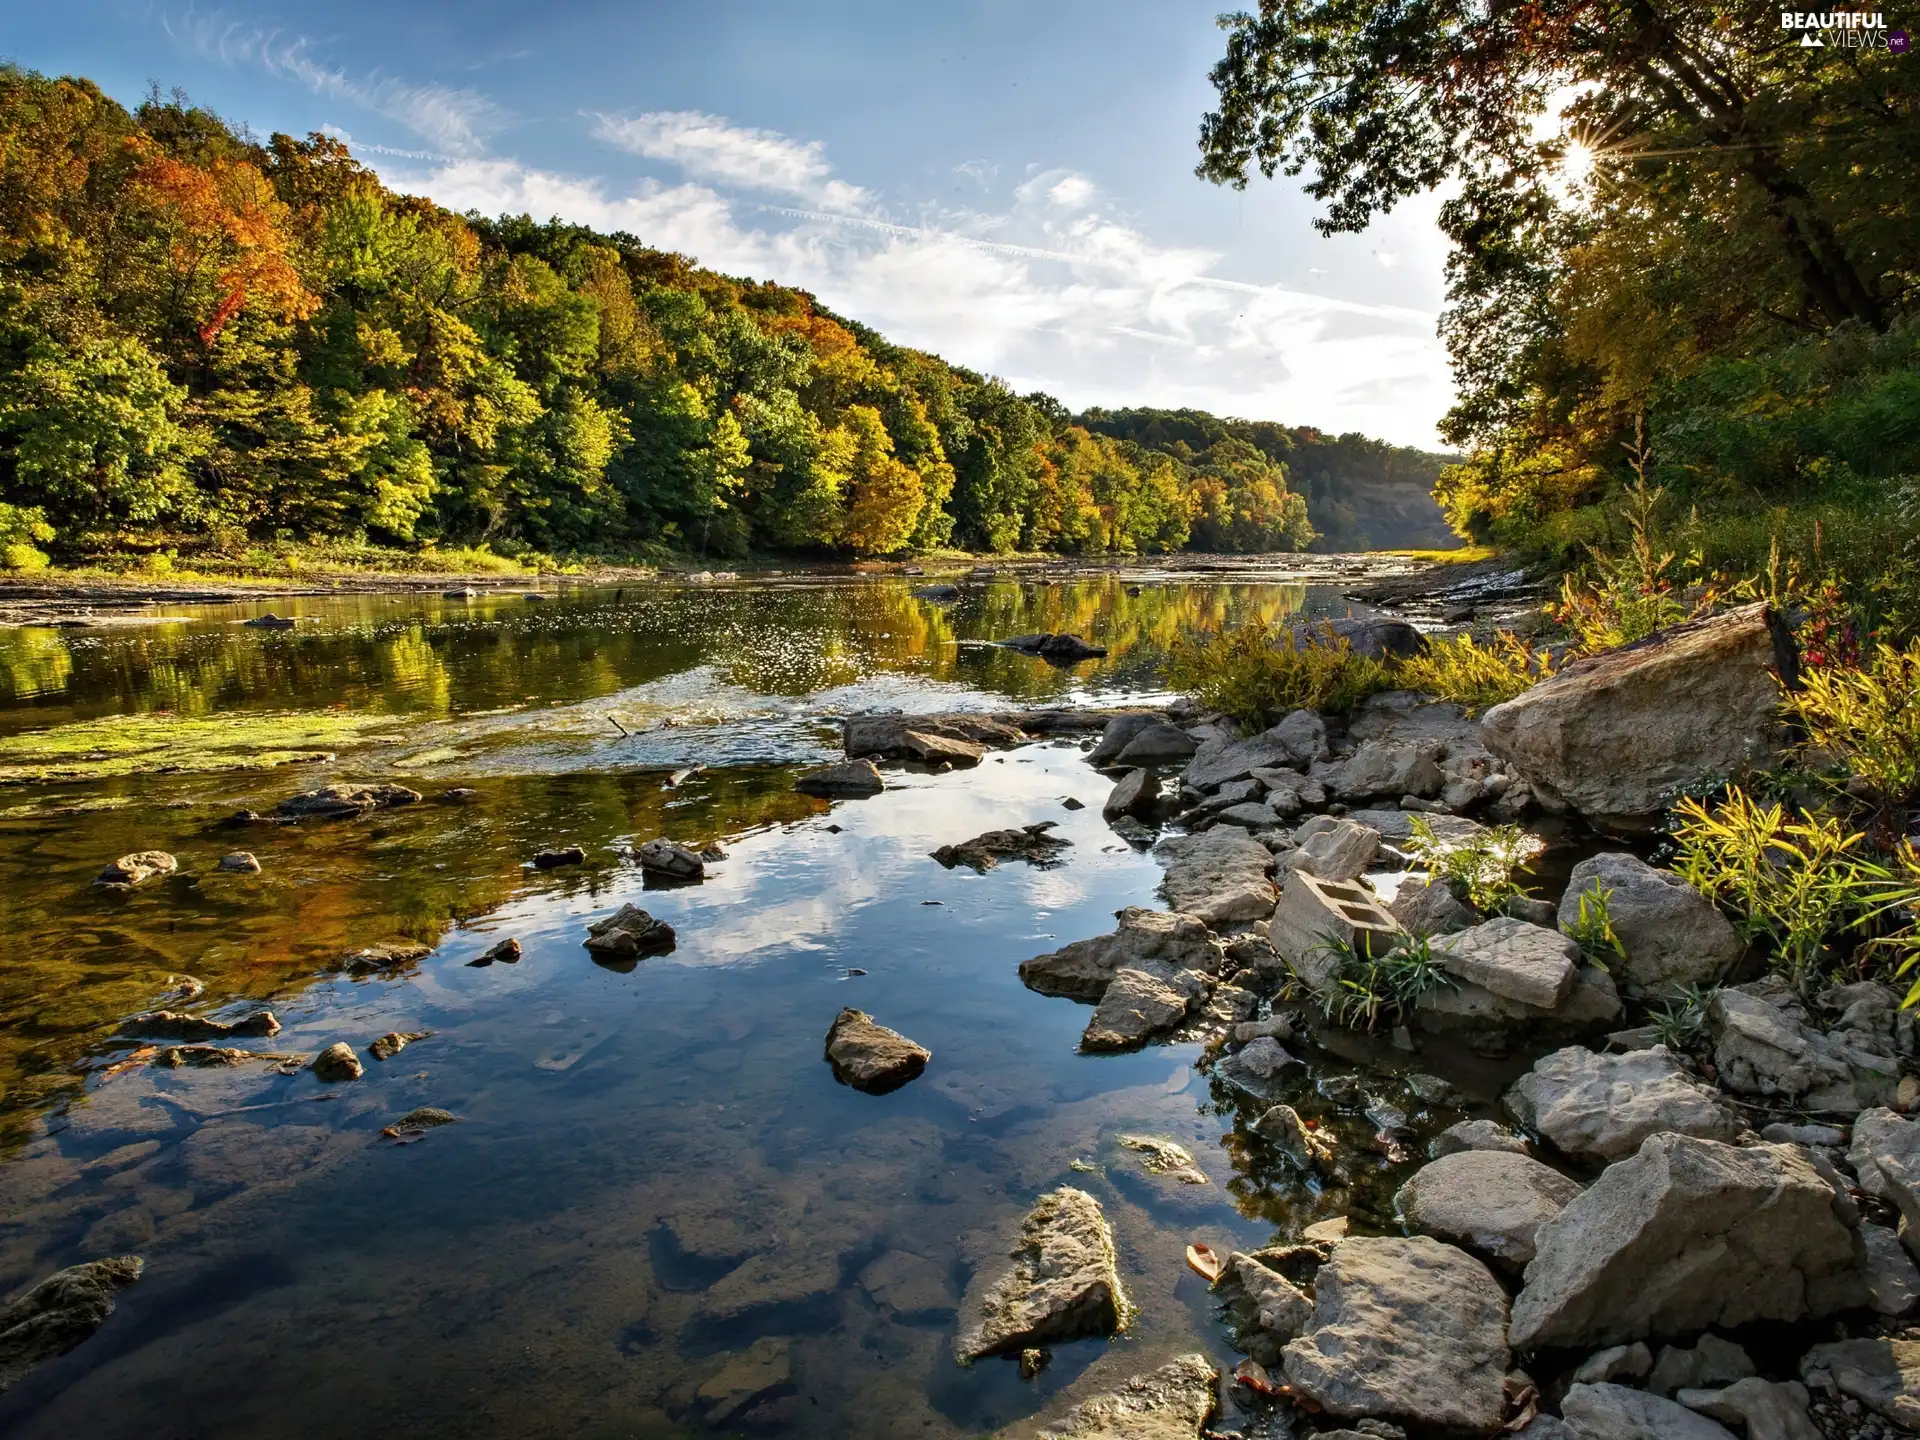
(1031, 843)
(60, 1312)
(506, 952)
(1171, 1403)
(378, 959)
(1061, 649)
(338, 1062)
(394, 1041)
(629, 933)
(1409, 1330)
(419, 1121)
(909, 1287)
(1688, 1234)
(137, 868)
(1491, 1202)
(1063, 1282)
(760, 1372)
(871, 1057)
(240, 862)
(171, 1025)
(1602, 1107)
(1219, 876)
(563, 855)
(670, 860)
(214, 1057)
(1164, 1157)
(1612, 735)
(1671, 933)
(850, 779)
(344, 801)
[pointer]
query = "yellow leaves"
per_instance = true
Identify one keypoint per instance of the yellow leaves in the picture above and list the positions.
(1472, 675)
(1868, 720)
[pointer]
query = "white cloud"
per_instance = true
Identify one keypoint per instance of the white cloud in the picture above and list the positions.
(459, 120)
(1056, 292)
(710, 148)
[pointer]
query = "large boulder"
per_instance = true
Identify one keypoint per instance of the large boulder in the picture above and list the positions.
(59, 1313)
(1144, 939)
(1173, 1402)
(1614, 1412)
(1061, 1282)
(1601, 1107)
(1514, 960)
(1469, 1010)
(1612, 735)
(1158, 744)
(1491, 1202)
(345, 801)
(845, 780)
(1689, 1234)
(1219, 876)
(1136, 793)
(1119, 732)
(1671, 933)
(1409, 1330)
(1764, 1048)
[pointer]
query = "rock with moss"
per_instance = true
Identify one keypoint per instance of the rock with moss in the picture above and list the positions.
(344, 801)
(1173, 1402)
(59, 1313)
(137, 869)
(1059, 1280)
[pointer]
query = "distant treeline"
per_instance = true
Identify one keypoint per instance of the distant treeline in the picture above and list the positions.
(212, 342)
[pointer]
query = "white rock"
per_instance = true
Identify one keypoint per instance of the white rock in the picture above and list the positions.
(1492, 1202)
(1063, 1282)
(1672, 934)
(1603, 1106)
(1513, 960)
(1613, 1412)
(1219, 876)
(1769, 1411)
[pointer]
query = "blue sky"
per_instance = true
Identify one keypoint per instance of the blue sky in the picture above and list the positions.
(1006, 182)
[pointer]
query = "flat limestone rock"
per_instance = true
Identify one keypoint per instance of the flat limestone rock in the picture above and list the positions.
(1142, 1002)
(908, 1287)
(848, 780)
(1063, 1282)
(1602, 1107)
(1514, 960)
(1614, 1412)
(1407, 1330)
(1882, 1374)
(1171, 1403)
(1333, 849)
(764, 1369)
(1220, 876)
(172, 1025)
(60, 1312)
(1031, 843)
(1685, 1235)
(1084, 969)
(871, 1057)
(1492, 1202)
(906, 737)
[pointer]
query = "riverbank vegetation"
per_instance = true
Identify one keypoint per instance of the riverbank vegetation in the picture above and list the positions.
(214, 346)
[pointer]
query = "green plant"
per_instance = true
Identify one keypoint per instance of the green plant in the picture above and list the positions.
(1592, 928)
(1630, 594)
(1256, 675)
(1681, 1021)
(1363, 989)
(1868, 720)
(1472, 675)
(1482, 865)
(1795, 883)
(23, 529)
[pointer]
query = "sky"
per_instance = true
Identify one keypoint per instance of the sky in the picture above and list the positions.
(1008, 183)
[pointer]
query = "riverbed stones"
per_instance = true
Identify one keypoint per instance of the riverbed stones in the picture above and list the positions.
(558, 856)
(1219, 876)
(847, 780)
(1477, 1135)
(1119, 733)
(173, 1025)
(1514, 960)
(1615, 1412)
(420, 1120)
(338, 1062)
(1885, 1155)
(1881, 1374)
(1059, 1281)
(1142, 1002)
(1767, 1410)
(394, 1041)
(670, 860)
(1491, 1202)
(1893, 1281)
(136, 869)
(629, 933)
(59, 1313)
(910, 1288)
(1714, 1361)
(1173, 1402)
(1332, 849)
(1384, 767)
(1632, 1361)
(1263, 1299)
(1671, 933)
(870, 1057)
(1219, 761)
(1144, 939)
(1765, 1049)
(240, 862)
(760, 1372)
(1602, 1107)
(1687, 1234)
(1431, 909)
(1158, 744)
(1404, 1329)
(344, 801)
(908, 737)
(1035, 844)
(1612, 735)
(1135, 794)
(385, 959)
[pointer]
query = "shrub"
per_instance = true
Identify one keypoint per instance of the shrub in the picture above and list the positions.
(1482, 866)
(1682, 1020)
(1365, 989)
(23, 528)
(1868, 720)
(1256, 676)
(1473, 676)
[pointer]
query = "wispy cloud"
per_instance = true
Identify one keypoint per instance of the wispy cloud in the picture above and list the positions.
(456, 119)
(1056, 291)
(711, 148)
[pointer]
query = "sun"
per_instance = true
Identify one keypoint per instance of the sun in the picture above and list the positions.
(1576, 163)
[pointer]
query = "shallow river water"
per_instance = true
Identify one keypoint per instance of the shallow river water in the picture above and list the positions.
(654, 1167)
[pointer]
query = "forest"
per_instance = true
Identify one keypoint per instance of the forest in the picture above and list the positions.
(1685, 275)
(212, 344)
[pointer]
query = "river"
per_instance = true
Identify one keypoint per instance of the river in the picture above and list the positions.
(654, 1167)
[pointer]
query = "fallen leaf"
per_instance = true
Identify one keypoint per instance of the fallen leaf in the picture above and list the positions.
(1205, 1262)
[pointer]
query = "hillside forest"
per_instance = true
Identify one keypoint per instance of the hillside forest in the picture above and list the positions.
(209, 343)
